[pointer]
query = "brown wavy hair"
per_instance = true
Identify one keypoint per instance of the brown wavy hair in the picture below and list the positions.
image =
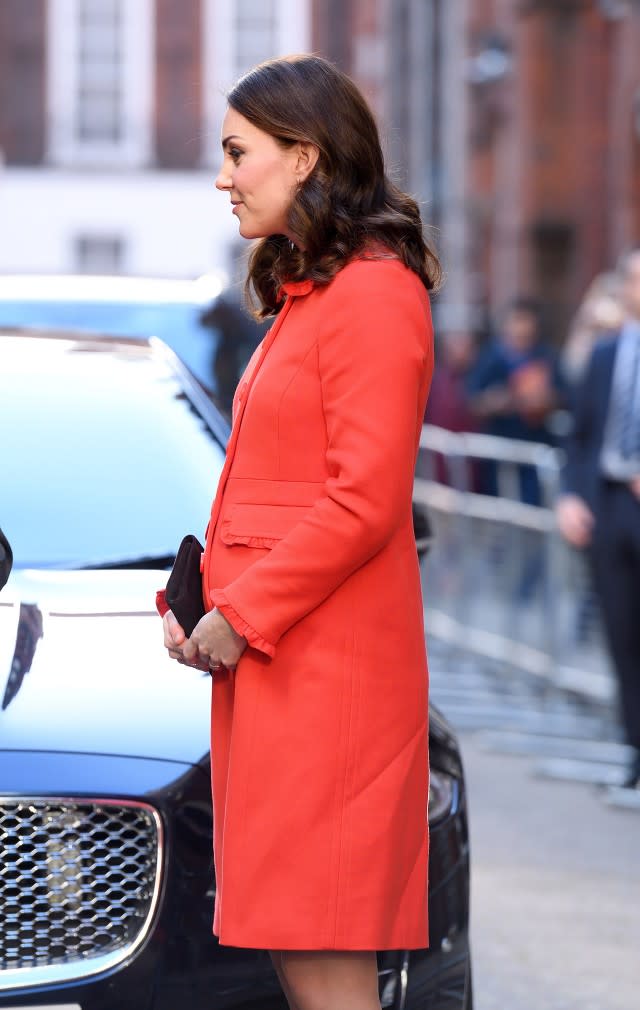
(347, 204)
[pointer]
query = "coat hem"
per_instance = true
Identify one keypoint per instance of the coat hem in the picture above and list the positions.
(273, 943)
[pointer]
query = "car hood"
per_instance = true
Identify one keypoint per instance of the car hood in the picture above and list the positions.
(83, 669)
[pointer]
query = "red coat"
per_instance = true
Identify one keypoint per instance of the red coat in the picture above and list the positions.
(319, 740)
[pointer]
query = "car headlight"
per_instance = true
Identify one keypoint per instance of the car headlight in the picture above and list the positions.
(442, 790)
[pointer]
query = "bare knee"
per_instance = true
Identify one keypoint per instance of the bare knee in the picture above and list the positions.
(276, 960)
(331, 980)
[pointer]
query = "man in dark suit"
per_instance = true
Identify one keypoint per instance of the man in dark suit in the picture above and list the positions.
(599, 510)
(6, 559)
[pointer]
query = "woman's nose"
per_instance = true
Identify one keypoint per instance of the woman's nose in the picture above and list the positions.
(224, 179)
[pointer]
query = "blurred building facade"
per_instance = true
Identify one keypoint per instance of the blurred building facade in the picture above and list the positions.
(554, 146)
(110, 114)
(517, 124)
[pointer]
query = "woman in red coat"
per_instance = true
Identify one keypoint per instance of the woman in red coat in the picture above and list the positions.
(314, 627)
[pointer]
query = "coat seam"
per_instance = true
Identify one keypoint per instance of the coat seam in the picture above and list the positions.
(280, 480)
(322, 403)
(340, 897)
(332, 897)
(282, 396)
(356, 684)
(220, 879)
(247, 775)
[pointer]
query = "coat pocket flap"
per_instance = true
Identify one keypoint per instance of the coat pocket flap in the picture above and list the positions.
(260, 525)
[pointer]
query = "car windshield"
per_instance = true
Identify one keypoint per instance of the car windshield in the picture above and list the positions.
(105, 460)
(177, 323)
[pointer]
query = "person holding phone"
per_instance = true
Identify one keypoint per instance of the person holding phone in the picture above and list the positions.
(314, 624)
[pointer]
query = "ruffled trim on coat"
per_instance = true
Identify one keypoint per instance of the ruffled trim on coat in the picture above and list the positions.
(238, 623)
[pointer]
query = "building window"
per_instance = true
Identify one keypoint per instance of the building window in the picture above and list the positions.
(100, 82)
(100, 54)
(255, 33)
(238, 35)
(98, 254)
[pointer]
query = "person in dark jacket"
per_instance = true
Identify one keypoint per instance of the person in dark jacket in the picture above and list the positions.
(515, 386)
(238, 337)
(6, 559)
(448, 404)
(599, 510)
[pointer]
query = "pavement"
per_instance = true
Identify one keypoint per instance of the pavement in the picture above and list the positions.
(555, 842)
(555, 885)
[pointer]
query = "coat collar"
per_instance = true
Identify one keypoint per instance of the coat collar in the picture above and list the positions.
(373, 250)
(296, 289)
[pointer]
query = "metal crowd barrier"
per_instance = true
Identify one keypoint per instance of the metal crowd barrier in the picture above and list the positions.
(502, 590)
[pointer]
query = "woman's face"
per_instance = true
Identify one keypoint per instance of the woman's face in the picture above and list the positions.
(260, 176)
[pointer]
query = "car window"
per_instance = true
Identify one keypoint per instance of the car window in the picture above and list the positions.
(177, 323)
(103, 458)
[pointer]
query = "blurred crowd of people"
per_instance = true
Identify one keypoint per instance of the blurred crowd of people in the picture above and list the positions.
(512, 385)
(515, 383)
(585, 398)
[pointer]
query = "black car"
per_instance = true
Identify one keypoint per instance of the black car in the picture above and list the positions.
(111, 452)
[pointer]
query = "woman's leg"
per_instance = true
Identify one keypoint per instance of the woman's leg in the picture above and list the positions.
(330, 979)
(276, 958)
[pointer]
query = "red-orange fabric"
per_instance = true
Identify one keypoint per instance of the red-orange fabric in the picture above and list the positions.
(161, 602)
(319, 739)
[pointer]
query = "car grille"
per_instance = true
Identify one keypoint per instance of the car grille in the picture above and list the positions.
(79, 882)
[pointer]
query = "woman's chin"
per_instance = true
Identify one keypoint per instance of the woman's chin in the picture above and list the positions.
(246, 231)
(254, 230)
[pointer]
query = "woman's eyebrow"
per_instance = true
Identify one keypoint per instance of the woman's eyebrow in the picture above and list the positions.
(232, 136)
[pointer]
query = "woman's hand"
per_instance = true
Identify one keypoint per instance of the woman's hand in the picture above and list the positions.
(174, 639)
(174, 636)
(213, 643)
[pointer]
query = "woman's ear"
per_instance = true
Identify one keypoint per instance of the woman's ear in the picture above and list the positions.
(307, 159)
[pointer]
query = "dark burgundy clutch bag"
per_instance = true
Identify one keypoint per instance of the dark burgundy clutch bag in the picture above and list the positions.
(184, 586)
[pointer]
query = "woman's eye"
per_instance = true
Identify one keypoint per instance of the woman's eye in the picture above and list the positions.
(234, 153)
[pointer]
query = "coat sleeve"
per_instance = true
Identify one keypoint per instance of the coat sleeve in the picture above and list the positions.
(579, 443)
(375, 358)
